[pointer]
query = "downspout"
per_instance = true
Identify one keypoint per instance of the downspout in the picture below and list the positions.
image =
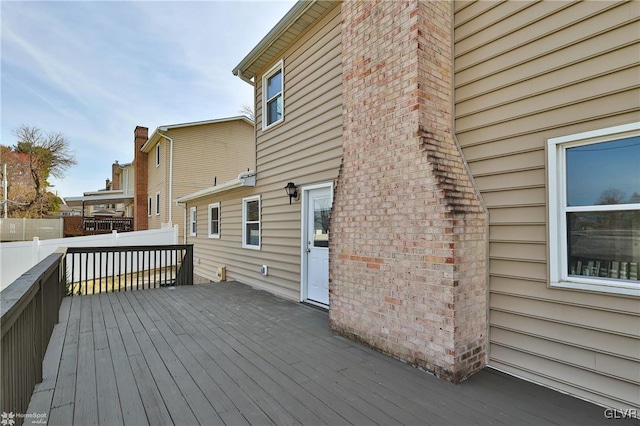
(170, 171)
(184, 221)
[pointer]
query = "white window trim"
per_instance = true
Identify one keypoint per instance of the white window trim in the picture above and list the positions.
(244, 222)
(558, 268)
(209, 207)
(157, 203)
(150, 206)
(273, 70)
(158, 154)
(193, 220)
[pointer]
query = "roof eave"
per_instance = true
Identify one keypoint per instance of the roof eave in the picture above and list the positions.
(244, 179)
(276, 32)
(150, 143)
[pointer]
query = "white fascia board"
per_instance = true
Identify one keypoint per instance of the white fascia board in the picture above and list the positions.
(98, 199)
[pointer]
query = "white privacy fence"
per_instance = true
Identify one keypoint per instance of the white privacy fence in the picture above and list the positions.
(26, 229)
(18, 257)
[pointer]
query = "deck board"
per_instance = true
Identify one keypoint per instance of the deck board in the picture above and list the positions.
(85, 410)
(229, 354)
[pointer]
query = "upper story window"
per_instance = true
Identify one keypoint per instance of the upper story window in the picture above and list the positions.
(158, 154)
(251, 222)
(157, 203)
(193, 221)
(594, 210)
(214, 220)
(273, 96)
(149, 206)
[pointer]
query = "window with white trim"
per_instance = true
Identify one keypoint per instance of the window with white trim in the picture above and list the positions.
(193, 221)
(251, 222)
(273, 96)
(150, 206)
(594, 210)
(158, 154)
(214, 220)
(157, 203)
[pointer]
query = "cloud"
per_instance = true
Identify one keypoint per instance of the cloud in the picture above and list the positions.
(95, 70)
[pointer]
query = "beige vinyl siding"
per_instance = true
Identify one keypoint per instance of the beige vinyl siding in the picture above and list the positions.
(306, 148)
(158, 178)
(526, 72)
(206, 152)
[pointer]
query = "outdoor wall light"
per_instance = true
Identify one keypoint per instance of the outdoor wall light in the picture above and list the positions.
(292, 191)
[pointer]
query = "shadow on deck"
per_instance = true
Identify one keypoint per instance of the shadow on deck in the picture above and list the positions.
(229, 354)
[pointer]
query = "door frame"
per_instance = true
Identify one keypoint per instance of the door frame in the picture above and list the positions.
(304, 228)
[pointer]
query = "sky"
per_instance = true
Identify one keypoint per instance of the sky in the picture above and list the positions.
(94, 70)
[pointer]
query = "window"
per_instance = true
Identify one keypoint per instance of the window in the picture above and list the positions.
(594, 210)
(149, 207)
(158, 154)
(157, 203)
(214, 220)
(193, 221)
(272, 96)
(251, 222)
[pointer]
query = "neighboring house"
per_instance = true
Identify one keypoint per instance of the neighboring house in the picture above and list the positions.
(116, 199)
(183, 158)
(480, 162)
(123, 179)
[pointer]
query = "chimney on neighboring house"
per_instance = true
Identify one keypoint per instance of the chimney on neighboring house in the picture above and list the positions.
(115, 176)
(141, 174)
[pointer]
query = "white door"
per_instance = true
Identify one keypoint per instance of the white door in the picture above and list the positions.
(318, 208)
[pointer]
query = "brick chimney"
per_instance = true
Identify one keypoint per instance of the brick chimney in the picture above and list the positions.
(408, 230)
(141, 175)
(115, 176)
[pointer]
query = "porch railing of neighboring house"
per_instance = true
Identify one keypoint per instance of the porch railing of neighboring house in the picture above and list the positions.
(29, 311)
(79, 225)
(30, 305)
(107, 224)
(92, 270)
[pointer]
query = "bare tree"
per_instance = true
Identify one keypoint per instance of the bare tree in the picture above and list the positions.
(248, 111)
(612, 196)
(48, 154)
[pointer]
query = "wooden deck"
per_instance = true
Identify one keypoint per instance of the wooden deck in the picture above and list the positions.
(228, 354)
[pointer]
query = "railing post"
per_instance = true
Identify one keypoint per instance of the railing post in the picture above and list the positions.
(35, 251)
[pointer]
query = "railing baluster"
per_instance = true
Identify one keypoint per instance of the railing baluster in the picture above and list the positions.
(97, 273)
(120, 271)
(138, 269)
(72, 272)
(126, 264)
